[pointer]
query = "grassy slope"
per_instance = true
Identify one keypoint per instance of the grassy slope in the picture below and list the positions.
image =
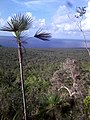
(41, 62)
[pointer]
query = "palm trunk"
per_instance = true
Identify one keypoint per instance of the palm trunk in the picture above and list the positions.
(21, 77)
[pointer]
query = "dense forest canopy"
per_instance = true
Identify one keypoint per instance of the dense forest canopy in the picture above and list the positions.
(42, 70)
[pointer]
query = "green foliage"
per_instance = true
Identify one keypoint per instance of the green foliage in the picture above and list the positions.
(36, 82)
(11, 103)
(36, 88)
(87, 102)
(49, 107)
(87, 105)
(39, 66)
(10, 95)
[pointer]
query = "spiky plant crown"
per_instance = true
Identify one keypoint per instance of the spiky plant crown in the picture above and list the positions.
(18, 23)
(42, 35)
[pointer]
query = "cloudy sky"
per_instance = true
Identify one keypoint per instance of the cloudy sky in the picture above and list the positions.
(55, 16)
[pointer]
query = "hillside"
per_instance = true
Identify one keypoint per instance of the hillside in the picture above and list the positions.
(43, 72)
(31, 42)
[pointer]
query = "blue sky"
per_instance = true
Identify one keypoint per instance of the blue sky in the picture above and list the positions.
(55, 16)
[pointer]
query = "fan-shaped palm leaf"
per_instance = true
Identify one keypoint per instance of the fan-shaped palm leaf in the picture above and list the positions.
(42, 35)
(18, 23)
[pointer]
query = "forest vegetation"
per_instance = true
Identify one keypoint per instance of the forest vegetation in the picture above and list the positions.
(46, 73)
(51, 84)
(17, 25)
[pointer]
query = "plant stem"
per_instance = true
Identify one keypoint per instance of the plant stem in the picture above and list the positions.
(21, 77)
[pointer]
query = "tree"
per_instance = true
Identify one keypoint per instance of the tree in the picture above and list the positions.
(80, 12)
(17, 24)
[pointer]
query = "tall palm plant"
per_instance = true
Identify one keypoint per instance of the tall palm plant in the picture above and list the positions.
(17, 24)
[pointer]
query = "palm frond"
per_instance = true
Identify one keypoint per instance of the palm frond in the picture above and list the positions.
(80, 12)
(42, 35)
(18, 23)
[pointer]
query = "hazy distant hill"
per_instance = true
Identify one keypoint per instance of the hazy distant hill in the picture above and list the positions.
(9, 41)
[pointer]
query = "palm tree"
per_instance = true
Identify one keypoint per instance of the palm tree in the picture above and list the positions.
(17, 24)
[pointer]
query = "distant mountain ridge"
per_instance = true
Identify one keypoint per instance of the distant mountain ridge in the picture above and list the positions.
(30, 42)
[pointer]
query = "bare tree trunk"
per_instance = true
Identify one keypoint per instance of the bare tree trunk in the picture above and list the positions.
(21, 77)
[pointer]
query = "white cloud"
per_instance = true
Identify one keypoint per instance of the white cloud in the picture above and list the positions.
(39, 23)
(28, 2)
(9, 18)
(17, 1)
(36, 24)
(86, 21)
(1, 22)
(61, 23)
(37, 4)
(29, 14)
(65, 24)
